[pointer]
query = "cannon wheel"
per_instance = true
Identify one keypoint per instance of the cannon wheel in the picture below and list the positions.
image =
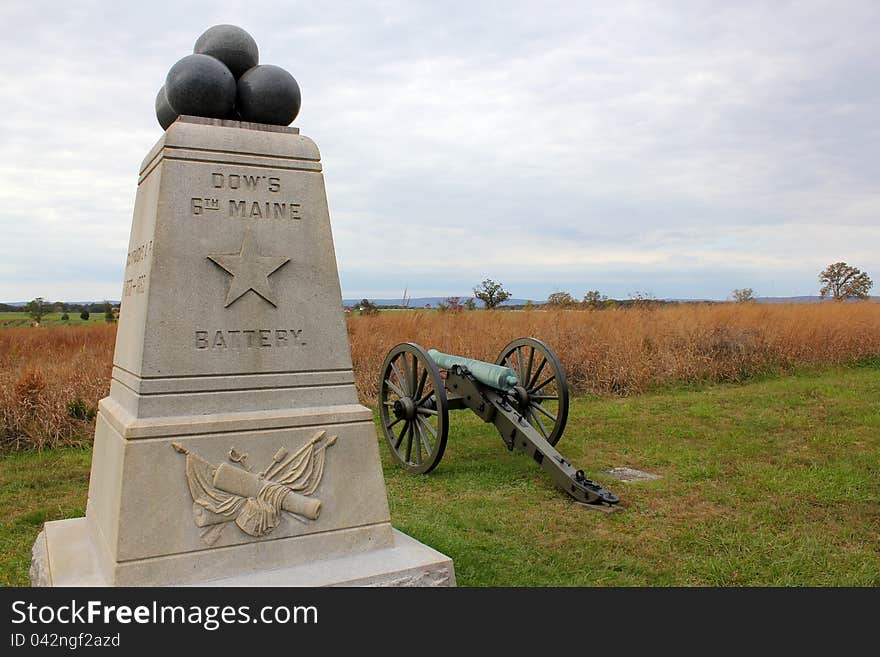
(542, 394)
(413, 408)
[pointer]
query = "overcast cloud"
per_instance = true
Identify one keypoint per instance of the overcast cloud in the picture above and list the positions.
(682, 149)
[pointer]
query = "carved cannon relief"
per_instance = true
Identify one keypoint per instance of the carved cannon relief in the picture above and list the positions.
(225, 493)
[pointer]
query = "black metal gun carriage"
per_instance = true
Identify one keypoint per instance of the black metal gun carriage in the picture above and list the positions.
(524, 394)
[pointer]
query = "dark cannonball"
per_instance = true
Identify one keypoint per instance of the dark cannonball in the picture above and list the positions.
(164, 112)
(200, 85)
(231, 45)
(268, 94)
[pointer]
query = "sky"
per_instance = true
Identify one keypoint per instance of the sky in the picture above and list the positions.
(676, 149)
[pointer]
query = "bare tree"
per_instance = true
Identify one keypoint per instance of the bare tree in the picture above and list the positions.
(841, 281)
(491, 293)
(450, 305)
(744, 295)
(644, 299)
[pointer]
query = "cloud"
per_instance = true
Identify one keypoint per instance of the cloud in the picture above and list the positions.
(687, 149)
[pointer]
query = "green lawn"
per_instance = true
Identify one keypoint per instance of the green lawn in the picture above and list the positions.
(34, 488)
(773, 483)
(50, 319)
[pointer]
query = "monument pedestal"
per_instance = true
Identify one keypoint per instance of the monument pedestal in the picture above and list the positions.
(232, 448)
(405, 562)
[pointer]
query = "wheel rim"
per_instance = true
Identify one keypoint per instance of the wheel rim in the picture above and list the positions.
(413, 408)
(543, 399)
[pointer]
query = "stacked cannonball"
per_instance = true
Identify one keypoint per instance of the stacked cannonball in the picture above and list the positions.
(222, 79)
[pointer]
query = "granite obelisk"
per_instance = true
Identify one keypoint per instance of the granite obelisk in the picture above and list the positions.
(232, 449)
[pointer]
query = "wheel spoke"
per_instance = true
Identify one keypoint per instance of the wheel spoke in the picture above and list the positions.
(414, 375)
(520, 361)
(546, 381)
(421, 387)
(400, 378)
(535, 376)
(391, 424)
(426, 411)
(545, 397)
(543, 410)
(427, 424)
(528, 375)
(426, 395)
(540, 425)
(402, 434)
(416, 429)
(407, 372)
(409, 441)
(424, 440)
(396, 390)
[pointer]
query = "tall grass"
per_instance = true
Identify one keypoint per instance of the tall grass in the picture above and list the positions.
(52, 378)
(626, 351)
(50, 382)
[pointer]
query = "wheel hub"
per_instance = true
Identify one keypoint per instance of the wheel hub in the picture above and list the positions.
(404, 409)
(520, 396)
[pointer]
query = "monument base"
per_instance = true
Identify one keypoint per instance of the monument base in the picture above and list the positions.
(63, 555)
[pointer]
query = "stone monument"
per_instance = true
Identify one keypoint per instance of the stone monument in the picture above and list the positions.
(232, 449)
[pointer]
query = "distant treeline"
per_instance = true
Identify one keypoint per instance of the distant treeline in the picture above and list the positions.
(61, 307)
(529, 305)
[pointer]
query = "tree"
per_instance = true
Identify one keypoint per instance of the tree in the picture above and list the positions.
(84, 315)
(108, 313)
(639, 297)
(367, 307)
(491, 293)
(842, 282)
(450, 305)
(65, 317)
(560, 300)
(744, 295)
(470, 304)
(594, 299)
(37, 308)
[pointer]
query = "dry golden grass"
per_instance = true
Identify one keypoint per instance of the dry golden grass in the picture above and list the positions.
(52, 378)
(50, 382)
(626, 351)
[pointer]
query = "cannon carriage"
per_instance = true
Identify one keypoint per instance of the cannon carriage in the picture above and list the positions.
(524, 394)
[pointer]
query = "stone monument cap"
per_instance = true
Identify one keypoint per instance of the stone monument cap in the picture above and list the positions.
(223, 79)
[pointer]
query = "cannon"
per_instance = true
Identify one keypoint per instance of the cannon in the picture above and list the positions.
(524, 394)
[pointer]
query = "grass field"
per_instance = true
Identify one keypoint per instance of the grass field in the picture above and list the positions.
(52, 377)
(50, 382)
(8, 320)
(771, 483)
(628, 351)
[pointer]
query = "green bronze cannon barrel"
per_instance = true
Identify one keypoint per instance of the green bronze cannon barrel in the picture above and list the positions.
(495, 376)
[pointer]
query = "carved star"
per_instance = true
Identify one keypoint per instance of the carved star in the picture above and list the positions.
(250, 271)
